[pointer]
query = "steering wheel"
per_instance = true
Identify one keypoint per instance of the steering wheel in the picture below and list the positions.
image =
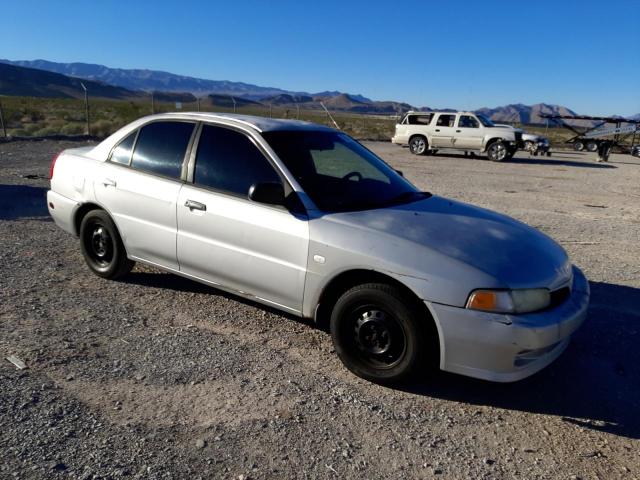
(355, 174)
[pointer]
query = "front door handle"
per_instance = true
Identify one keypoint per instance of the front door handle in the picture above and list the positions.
(437, 129)
(107, 182)
(458, 131)
(193, 205)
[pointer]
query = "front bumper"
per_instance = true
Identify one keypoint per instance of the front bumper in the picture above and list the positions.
(507, 348)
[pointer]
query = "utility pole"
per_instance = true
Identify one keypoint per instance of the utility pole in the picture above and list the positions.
(329, 116)
(4, 128)
(198, 103)
(297, 112)
(86, 108)
(234, 103)
(270, 111)
(153, 105)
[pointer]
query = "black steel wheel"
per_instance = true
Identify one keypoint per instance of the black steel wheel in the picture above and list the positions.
(377, 333)
(592, 146)
(102, 246)
(578, 146)
(418, 145)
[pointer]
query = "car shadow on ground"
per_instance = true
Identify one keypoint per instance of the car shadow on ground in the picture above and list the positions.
(558, 162)
(531, 160)
(170, 281)
(595, 384)
(22, 201)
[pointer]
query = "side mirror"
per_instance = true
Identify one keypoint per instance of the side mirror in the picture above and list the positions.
(399, 172)
(271, 193)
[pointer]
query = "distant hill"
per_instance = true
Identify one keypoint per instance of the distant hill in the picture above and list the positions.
(155, 80)
(30, 82)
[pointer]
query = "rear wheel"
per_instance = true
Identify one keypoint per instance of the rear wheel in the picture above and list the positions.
(497, 151)
(578, 146)
(102, 246)
(418, 145)
(377, 334)
(592, 146)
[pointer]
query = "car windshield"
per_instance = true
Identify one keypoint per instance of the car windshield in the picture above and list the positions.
(485, 121)
(338, 173)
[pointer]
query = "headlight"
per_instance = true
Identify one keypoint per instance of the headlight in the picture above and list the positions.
(509, 301)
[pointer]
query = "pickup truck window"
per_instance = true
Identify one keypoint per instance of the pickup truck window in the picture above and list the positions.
(467, 121)
(229, 161)
(122, 152)
(446, 120)
(161, 147)
(420, 119)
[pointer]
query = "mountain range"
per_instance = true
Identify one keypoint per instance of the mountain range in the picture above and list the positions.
(43, 78)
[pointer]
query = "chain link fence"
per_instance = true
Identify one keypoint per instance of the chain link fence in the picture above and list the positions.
(41, 117)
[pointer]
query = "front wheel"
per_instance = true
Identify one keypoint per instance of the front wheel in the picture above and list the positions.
(102, 246)
(497, 151)
(418, 145)
(377, 334)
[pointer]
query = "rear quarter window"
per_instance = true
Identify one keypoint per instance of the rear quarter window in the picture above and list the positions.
(161, 147)
(122, 152)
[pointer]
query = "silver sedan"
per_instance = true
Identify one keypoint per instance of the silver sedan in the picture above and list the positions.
(304, 218)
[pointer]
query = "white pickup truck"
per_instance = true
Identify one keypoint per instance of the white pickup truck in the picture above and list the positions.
(427, 132)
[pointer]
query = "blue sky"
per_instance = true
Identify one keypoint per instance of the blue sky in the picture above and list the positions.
(459, 54)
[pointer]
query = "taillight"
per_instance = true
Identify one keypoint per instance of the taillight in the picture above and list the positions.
(53, 165)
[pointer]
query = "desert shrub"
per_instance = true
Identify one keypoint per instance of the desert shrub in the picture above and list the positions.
(43, 132)
(72, 129)
(102, 128)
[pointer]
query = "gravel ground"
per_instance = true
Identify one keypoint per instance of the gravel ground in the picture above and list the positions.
(160, 377)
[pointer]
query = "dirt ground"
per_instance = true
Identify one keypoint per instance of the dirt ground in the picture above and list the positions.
(160, 377)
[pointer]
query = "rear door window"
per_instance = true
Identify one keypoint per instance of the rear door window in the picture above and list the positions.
(446, 120)
(229, 161)
(161, 147)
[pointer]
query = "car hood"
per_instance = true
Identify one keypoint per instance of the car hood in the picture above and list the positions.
(512, 253)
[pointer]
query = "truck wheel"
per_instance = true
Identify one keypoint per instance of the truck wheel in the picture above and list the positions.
(592, 146)
(102, 246)
(377, 334)
(528, 146)
(418, 145)
(497, 151)
(578, 146)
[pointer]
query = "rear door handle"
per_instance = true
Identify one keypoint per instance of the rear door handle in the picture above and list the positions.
(437, 129)
(193, 205)
(458, 131)
(107, 182)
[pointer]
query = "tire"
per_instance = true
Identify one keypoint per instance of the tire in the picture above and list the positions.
(592, 147)
(578, 146)
(377, 333)
(497, 151)
(418, 145)
(102, 246)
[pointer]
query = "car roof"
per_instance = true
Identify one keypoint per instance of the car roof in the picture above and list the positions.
(260, 124)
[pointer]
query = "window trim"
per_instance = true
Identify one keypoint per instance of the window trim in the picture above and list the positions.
(185, 158)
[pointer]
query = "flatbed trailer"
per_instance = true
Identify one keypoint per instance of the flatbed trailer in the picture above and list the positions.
(590, 138)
